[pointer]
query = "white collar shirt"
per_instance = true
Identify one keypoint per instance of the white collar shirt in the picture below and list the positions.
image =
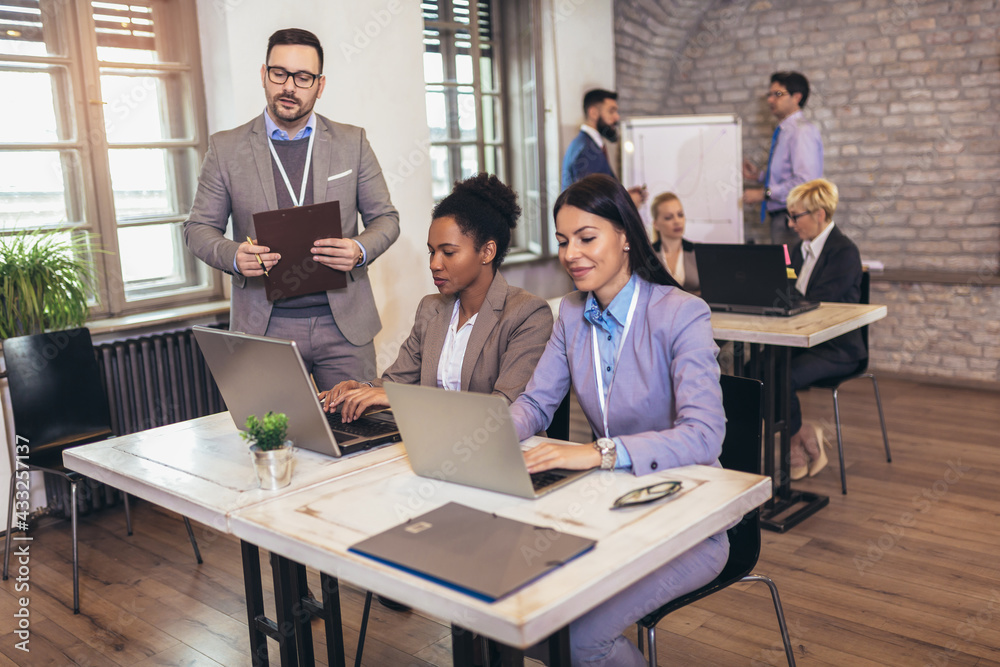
(449, 374)
(594, 134)
(811, 251)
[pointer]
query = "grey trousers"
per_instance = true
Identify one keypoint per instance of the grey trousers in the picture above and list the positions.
(596, 638)
(329, 356)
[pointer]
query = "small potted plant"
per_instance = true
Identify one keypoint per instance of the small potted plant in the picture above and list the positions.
(270, 449)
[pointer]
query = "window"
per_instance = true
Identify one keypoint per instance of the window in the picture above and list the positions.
(106, 139)
(482, 103)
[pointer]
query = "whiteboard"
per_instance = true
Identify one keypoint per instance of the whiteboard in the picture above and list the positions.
(698, 158)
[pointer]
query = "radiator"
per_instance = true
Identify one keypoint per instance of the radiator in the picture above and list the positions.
(150, 381)
(156, 380)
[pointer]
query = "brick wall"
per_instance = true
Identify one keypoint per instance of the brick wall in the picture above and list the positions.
(906, 96)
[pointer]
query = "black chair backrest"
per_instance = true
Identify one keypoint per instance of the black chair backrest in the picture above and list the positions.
(866, 298)
(55, 392)
(742, 399)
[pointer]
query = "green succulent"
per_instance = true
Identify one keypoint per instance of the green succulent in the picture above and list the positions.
(267, 433)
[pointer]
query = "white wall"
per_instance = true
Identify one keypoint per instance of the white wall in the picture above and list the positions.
(374, 69)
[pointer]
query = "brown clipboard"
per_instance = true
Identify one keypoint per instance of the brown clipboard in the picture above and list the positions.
(291, 232)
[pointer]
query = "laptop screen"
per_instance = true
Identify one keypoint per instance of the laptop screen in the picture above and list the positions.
(747, 275)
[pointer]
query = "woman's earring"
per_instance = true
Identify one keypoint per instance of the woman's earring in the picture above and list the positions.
(627, 248)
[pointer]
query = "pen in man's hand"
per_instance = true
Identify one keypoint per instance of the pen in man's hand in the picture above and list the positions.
(259, 260)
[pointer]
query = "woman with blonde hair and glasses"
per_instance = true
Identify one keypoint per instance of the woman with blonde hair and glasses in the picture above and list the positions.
(828, 266)
(676, 252)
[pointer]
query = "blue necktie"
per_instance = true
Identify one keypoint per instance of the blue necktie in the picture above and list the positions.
(767, 174)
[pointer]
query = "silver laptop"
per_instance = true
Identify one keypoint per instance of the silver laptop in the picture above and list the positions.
(257, 374)
(468, 438)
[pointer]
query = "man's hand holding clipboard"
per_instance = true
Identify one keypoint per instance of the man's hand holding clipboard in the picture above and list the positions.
(314, 255)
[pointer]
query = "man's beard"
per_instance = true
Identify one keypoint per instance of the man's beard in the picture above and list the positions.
(609, 132)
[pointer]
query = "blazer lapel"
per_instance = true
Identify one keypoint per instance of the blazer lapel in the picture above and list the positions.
(437, 331)
(322, 155)
(486, 320)
(262, 158)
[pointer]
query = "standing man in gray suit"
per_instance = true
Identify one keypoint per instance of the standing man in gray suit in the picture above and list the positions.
(289, 156)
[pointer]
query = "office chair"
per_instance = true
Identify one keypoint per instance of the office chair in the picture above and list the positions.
(742, 399)
(834, 384)
(57, 402)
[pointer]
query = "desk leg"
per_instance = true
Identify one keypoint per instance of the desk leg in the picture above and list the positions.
(294, 633)
(332, 619)
(255, 603)
(795, 506)
(559, 649)
(462, 649)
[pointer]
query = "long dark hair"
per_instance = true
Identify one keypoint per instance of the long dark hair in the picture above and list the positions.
(605, 197)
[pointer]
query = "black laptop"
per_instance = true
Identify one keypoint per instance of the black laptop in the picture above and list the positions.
(748, 279)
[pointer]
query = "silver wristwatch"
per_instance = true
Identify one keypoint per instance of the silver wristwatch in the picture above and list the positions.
(609, 453)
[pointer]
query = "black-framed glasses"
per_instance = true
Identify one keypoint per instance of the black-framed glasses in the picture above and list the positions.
(647, 494)
(777, 93)
(279, 75)
(794, 217)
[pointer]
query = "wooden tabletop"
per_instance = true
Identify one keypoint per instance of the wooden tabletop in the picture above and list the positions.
(202, 469)
(317, 525)
(806, 330)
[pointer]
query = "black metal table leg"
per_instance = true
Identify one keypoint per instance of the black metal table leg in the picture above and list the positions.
(462, 649)
(787, 507)
(332, 621)
(255, 603)
(294, 634)
(559, 648)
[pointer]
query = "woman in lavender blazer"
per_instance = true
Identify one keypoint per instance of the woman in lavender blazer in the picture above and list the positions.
(655, 402)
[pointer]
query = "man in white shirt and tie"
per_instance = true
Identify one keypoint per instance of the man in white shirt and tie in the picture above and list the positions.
(828, 266)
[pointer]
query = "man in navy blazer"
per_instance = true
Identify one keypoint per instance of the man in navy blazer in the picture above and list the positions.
(262, 166)
(587, 153)
(828, 266)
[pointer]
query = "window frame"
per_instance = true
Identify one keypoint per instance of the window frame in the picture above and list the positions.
(84, 109)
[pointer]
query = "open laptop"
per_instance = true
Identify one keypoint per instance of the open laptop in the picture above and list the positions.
(748, 279)
(468, 438)
(257, 374)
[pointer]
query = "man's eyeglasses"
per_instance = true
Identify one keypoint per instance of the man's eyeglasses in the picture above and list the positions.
(794, 217)
(777, 93)
(279, 75)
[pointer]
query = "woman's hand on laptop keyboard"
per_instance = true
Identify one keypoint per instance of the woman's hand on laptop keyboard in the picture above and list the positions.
(353, 398)
(549, 455)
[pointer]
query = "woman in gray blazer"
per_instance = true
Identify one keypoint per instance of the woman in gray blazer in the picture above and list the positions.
(479, 333)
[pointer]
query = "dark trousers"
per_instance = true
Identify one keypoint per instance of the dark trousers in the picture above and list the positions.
(808, 367)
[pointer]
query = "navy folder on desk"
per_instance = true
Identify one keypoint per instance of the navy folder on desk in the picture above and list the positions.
(478, 553)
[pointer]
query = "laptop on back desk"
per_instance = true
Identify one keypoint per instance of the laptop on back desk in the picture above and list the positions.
(749, 279)
(257, 374)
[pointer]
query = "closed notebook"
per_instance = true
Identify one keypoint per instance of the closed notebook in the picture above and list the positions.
(475, 552)
(291, 232)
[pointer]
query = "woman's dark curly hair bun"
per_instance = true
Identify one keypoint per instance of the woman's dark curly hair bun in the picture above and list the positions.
(485, 209)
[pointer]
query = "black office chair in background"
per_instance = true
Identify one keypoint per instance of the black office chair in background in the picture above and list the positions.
(742, 399)
(835, 383)
(57, 402)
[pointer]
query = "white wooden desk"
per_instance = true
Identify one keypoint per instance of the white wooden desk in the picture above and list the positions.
(202, 469)
(317, 525)
(778, 335)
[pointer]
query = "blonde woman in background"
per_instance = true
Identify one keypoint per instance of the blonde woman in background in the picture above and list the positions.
(676, 253)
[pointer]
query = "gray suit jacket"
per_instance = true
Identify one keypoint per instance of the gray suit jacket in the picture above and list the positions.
(507, 340)
(237, 179)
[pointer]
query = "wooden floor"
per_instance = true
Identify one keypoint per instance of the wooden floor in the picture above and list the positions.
(904, 570)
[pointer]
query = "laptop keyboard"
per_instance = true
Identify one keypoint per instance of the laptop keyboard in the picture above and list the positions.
(365, 428)
(540, 480)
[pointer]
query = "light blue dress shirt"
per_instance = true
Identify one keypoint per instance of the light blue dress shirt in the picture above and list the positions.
(797, 158)
(610, 328)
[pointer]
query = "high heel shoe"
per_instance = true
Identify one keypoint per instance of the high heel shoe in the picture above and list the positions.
(821, 460)
(798, 451)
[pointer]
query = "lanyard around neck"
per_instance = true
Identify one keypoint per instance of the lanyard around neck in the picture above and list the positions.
(601, 398)
(305, 172)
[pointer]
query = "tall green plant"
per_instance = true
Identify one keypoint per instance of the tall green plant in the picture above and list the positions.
(45, 281)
